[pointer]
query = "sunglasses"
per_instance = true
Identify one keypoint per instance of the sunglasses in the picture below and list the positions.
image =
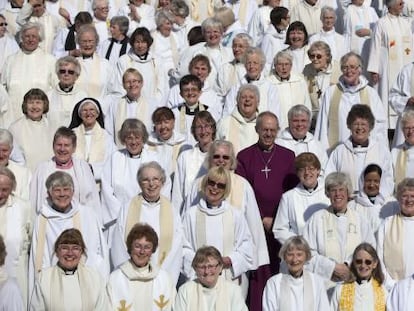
(313, 56)
(218, 156)
(63, 71)
(3, 24)
(219, 185)
(368, 262)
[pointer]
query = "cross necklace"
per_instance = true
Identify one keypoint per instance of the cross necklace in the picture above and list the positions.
(266, 169)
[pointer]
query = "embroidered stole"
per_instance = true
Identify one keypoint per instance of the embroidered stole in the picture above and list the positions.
(195, 9)
(242, 13)
(308, 293)
(347, 299)
(41, 238)
(96, 152)
(401, 165)
(333, 114)
(92, 87)
(228, 233)
(236, 194)
(166, 224)
(353, 235)
(393, 248)
(183, 123)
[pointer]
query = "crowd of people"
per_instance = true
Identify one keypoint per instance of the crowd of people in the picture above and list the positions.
(206, 155)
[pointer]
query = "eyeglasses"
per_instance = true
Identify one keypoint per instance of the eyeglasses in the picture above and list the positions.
(203, 127)
(350, 67)
(307, 169)
(146, 248)
(105, 8)
(3, 24)
(317, 56)
(367, 262)
(219, 185)
(190, 89)
(219, 156)
(68, 248)
(408, 129)
(155, 180)
(64, 71)
(208, 267)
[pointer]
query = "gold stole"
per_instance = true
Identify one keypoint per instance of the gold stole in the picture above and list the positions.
(121, 114)
(97, 147)
(353, 234)
(242, 12)
(333, 114)
(393, 248)
(234, 133)
(80, 4)
(196, 297)
(308, 293)
(166, 224)
(41, 238)
(237, 190)
(131, 63)
(400, 165)
(174, 50)
(183, 125)
(228, 233)
(57, 294)
(347, 299)
(91, 83)
(194, 9)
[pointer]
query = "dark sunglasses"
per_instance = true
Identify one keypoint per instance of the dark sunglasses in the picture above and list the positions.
(368, 262)
(313, 56)
(63, 71)
(218, 156)
(3, 24)
(219, 185)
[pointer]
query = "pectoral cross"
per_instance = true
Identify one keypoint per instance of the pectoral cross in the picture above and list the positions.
(407, 51)
(266, 170)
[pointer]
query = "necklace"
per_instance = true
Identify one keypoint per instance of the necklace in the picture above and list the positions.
(266, 169)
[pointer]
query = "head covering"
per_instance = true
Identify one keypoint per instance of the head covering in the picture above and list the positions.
(76, 119)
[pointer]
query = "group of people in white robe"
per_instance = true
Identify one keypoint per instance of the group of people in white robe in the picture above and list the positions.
(114, 119)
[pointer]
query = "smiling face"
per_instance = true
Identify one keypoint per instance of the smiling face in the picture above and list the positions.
(191, 94)
(214, 191)
(328, 20)
(30, 40)
(239, 48)
(407, 202)
(308, 176)
(297, 39)
(408, 131)
(200, 70)
(3, 27)
(133, 85)
(61, 196)
(295, 260)
(221, 157)
(299, 125)
(35, 108)
(247, 104)
(351, 70)
(67, 74)
(141, 251)
(89, 114)
(360, 131)
(267, 131)
(69, 255)
(87, 43)
(134, 144)
(208, 272)
(203, 132)
(339, 198)
(165, 28)
(319, 59)
(140, 46)
(5, 151)
(6, 188)
(364, 264)
(212, 35)
(63, 148)
(372, 183)
(151, 184)
(164, 129)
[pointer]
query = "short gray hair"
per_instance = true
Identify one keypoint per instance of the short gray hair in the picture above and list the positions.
(6, 137)
(8, 173)
(59, 179)
(133, 126)
(218, 143)
(403, 185)
(245, 37)
(31, 25)
(255, 51)
(211, 22)
(68, 60)
(153, 164)
(122, 22)
(336, 179)
(297, 110)
(248, 87)
(163, 15)
(406, 116)
(348, 55)
(326, 9)
(295, 242)
(180, 8)
(85, 29)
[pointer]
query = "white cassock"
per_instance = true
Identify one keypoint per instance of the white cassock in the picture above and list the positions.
(401, 248)
(392, 47)
(16, 230)
(401, 91)
(10, 294)
(349, 96)
(35, 139)
(10, 15)
(272, 43)
(242, 198)
(103, 76)
(364, 296)
(102, 27)
(181, 31)
(147, 14)
(21, 72)
(357, 17)
(228, 76)
(112, 49)
(292, 91)
(58, 49)
(231, 32)
(8, 46)
(401, 297)
(119, 181)
(95, 146)
(269, 96)
(309, 15)
(308, 144)
(166, 49)
(300, 58)
(62, 104)
(85, 190)
(243, 10)
(295, 208)
(50, 223)
(140, 288)
(208, 96)
(259, 23)
(151, 213)
(74, 7)
(23, 177)
(353, 160)
(190, 166)
(335, 41)
(333, 238)
(84, 289)
(236, 129)
(49, 22)
(403, 161)
(122, 108)
(155, 87)
(224, 296)
(226, 229)
(306, 293)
